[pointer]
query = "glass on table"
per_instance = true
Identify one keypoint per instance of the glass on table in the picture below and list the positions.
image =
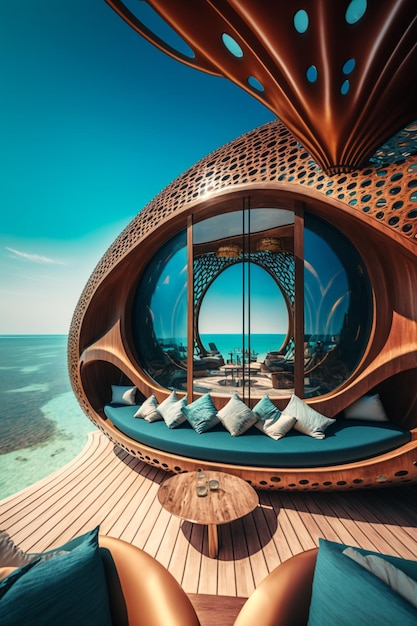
(201, 488)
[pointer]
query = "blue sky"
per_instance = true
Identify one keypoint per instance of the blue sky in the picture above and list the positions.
(94, 122)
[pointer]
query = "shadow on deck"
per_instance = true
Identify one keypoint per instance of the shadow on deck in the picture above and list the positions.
(105, 486)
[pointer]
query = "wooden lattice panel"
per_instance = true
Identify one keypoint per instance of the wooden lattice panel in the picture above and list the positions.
(270, 155)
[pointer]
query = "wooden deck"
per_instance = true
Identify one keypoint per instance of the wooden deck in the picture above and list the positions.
(105, 486)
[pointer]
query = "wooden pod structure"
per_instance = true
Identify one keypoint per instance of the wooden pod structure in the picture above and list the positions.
(322, 204)
(376, 210)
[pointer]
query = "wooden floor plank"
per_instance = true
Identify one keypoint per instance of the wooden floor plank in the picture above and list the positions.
(208, 576)
(226, 572)
(192, 566)
(105, 486)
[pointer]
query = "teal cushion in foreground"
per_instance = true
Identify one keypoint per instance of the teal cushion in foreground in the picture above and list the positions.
(202, 414)
(347, 594)
(66, 590)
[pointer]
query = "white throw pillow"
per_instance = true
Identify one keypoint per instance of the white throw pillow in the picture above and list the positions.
(391, 575)
(367, 408)
(270, 419)
(236, 416)
(171, 410)
(149, 410)
(309, 421)
(123, 395)
(278, 427)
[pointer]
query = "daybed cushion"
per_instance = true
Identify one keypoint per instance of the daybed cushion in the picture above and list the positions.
(66, 590)
(345, 593)
(345, 441)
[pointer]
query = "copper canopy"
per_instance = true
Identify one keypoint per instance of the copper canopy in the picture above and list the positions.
(339, 74)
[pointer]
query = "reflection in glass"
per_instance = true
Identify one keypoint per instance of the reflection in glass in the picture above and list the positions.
(337, 308)
(243, 335)
(160, 315)
(243, 297)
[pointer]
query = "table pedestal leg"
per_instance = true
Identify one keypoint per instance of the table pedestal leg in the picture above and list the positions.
(213, 540)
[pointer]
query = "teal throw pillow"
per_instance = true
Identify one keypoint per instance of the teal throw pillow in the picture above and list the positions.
(347, 594)
(66, 590)
(202, 414)
(236, 416)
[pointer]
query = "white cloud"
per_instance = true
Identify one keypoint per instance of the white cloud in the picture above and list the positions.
(35, 258)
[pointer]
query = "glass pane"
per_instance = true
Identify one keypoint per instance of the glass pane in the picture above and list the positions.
(160, 315)
(244, 300)
(337, 308)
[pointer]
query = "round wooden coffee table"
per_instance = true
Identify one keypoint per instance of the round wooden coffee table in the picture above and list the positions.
(234, 498)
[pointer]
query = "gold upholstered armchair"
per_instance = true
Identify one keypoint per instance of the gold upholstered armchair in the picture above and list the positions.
(141, 591)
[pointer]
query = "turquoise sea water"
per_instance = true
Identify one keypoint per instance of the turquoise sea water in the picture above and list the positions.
(42, 426)
(259, 343)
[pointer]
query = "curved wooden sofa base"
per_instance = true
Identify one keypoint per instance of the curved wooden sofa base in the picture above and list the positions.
(396, 467)
(141, 591)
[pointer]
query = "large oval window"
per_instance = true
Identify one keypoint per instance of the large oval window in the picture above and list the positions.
(250, 331)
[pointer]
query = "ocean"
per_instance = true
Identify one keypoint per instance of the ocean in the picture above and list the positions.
(229, 345)
(42, 426)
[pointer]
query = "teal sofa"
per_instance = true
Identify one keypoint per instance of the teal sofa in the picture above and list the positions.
(346, 441)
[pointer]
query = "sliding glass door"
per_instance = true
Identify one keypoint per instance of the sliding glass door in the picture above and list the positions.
(244, 298)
